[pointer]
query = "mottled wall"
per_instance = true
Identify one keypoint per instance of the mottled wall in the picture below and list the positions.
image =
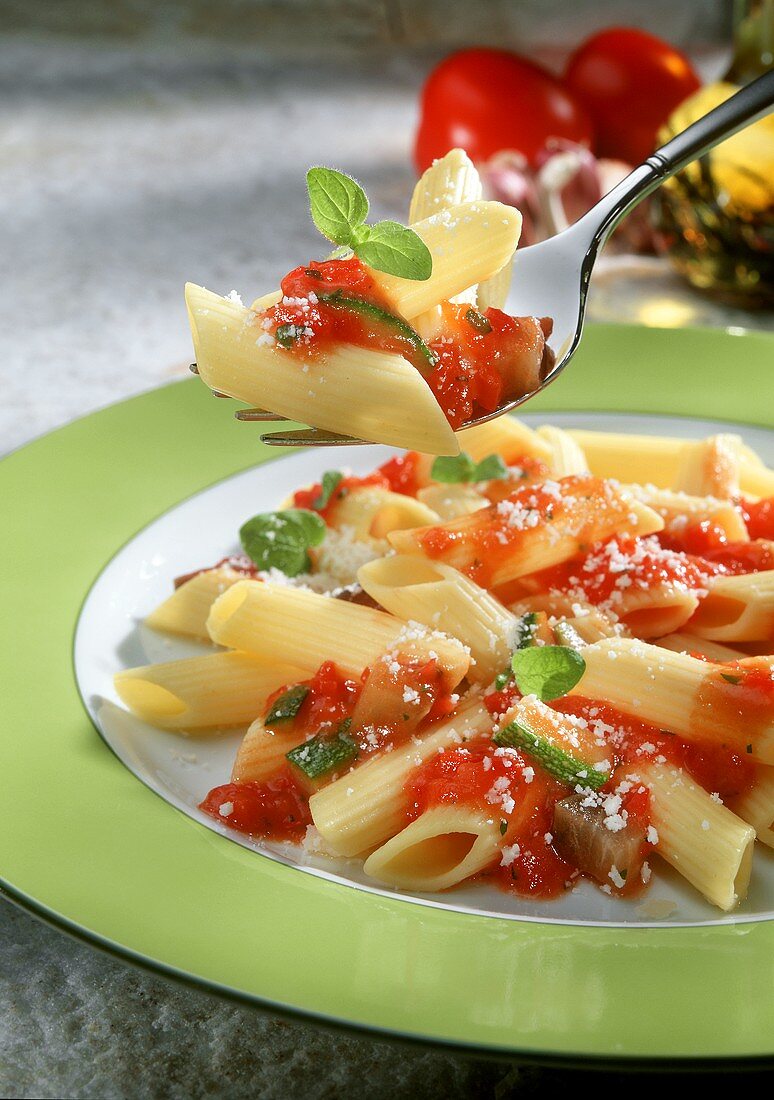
(298, 28)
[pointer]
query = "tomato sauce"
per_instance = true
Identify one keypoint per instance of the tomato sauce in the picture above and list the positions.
(330, 699)
(734, 706)
(480, 360)
(583, 507)
(484, 359)
(715, 765)
(709, 541)
(520, 798)
(276, 809)
(742, 557)
(310, 497)
(759, 517)
(609, 570)
(402, 473)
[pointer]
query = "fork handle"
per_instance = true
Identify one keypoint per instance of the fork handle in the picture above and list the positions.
(747, 106)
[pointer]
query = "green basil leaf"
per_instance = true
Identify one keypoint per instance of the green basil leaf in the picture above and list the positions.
(396, 250)
(287, 705)
(331, 480)
(453, 469)
(730, 679)
(337, 202)
(280, 540)
(491, 468)
(547, 671)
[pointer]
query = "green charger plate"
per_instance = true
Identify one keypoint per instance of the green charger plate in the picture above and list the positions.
(85, 845)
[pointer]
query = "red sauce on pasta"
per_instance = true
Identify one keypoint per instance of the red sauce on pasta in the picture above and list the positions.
(611, 570)
(709, 541)
(484, 359)
(742, 557)
(715, 765)
(734, 705)
(331, 698)
(581, 508)
(519, 798)
(480, 360)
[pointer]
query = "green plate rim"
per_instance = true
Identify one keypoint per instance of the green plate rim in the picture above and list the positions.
(564, 396)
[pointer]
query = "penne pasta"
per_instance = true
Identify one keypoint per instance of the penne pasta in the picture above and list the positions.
(469, 243)
(372, 512)
(677, 692)
(646, 459)
(737, 609)
(680, 509)
(348, 388)
(691, 643)
(304, 629)
(218, 690)
(452, 501)
(436, 595)
(653, 612)
(506, 436)
(710, 467)
(703, 840)
(262, 753)
(532, 530)
(493, 292)
(185, 611)
(444, 846)
(359, 811)
(757, 806)
(449, 181)
(567, 455)
(656, 460)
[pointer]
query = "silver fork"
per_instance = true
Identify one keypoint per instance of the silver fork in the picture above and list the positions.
(551, 279)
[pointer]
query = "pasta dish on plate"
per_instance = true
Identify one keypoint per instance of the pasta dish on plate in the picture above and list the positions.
(543, 659)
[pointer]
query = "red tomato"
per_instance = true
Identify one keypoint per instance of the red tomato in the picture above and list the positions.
(629, 81)
(486, 100)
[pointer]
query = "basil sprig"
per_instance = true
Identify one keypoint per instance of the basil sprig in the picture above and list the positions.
(562, 765)
(331, 480)
(339, 209)
(547, 671)
(456, 469)
(281, 540)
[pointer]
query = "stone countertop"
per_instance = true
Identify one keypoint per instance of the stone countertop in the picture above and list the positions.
(124, 172)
